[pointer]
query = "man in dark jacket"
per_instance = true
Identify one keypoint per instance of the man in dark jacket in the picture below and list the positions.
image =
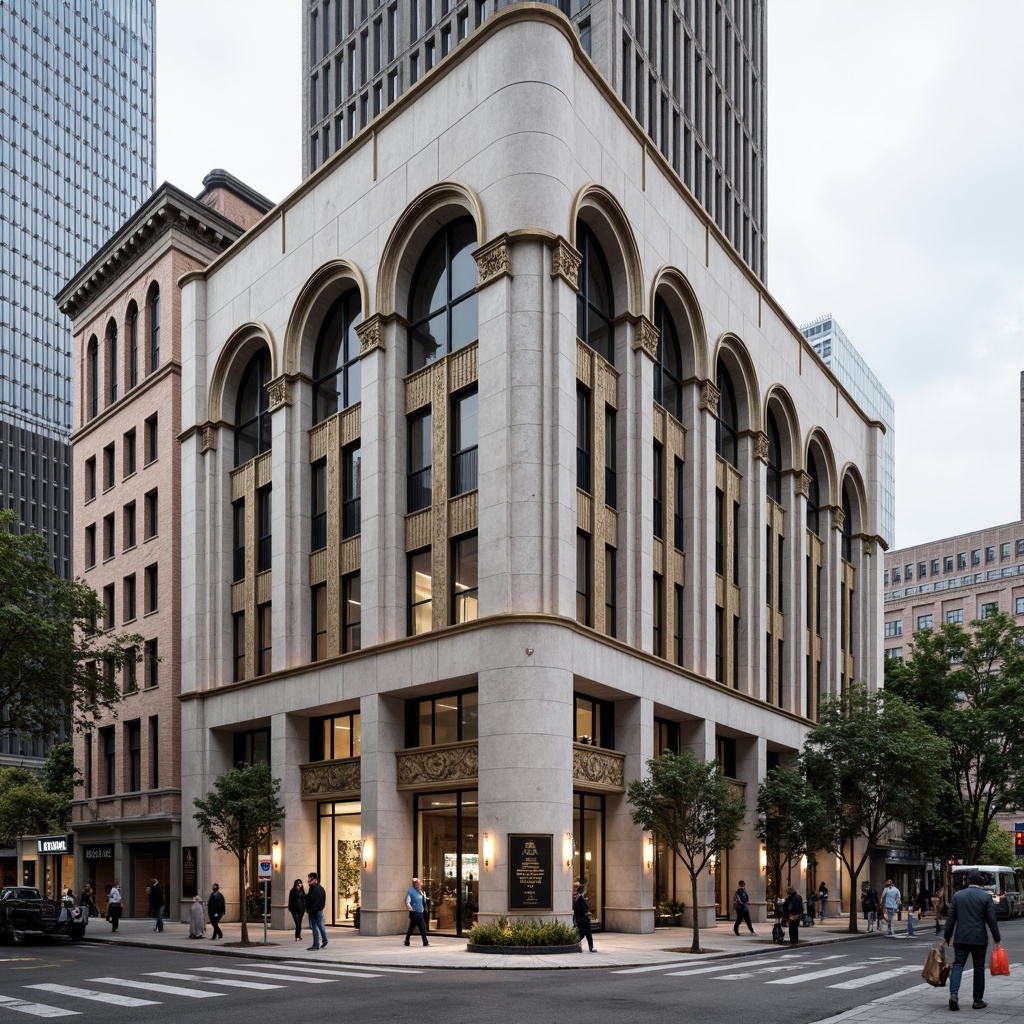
(316, 900)
(971, 911)
(793, 909)
(156, 903)
(741, 904)
(215, 910)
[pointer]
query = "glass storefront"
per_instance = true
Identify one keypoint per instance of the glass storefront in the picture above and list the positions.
(588, 834)
(340, 862)
(448, 858)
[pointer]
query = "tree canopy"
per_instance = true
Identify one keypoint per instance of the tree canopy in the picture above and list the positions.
(26, 807)
(872, 759)
(238, 815)
(56, 660)
(969, 685)
(691, 807)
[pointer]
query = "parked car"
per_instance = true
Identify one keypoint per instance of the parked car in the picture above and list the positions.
(1000, 881)
(25, 912)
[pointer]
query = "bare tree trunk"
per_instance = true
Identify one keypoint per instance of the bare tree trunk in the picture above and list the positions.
(695, 945)
(242, 902)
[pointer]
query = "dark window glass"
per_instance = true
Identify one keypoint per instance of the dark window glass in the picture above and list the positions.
(594, 303)
(610, 490)
(318, 510)
(593, 721)
(264, 537)
(264, 639)
(351, 613)
(420, 461)
(336, 368)
(465, 579)
(774, 474)
(134, 730)
(583, 439)
(609, 591)
(133, 347)
(154, 331)
(112, 359)
(252, 411)
(94, 377)
(583, 579)
(238, 645)
(421, 604)
(668, 368)
(658, 509)
(351, 490)
(727, 423)
(107, 741)
(448, 718)
(464, 443)
(318, 610)
(847, 540)
(238, 540)
(814, 500)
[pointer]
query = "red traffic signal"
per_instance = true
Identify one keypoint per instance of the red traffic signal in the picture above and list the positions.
(1018, 843)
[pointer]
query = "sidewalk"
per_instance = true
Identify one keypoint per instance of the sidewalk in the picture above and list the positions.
(615, 949)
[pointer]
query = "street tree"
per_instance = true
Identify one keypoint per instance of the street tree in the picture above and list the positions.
(57, 662)
(238, 815)
(26, 807)
(969, 684)
(998, 846)
(790, 823)
(688, 805)
(871, 758)
(60, 776)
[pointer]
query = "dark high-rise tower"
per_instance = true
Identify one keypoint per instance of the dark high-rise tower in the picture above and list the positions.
(691, 71)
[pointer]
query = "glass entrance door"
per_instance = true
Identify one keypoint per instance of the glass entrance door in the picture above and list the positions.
(341, 861)
(448, 858)
(588, 834)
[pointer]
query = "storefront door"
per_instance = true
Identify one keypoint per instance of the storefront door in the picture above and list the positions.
(588, 833)
(341, 860)
(448, 858)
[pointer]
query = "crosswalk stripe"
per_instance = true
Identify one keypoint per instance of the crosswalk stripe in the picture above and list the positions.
(111, 998)
(353, 971)
(829, 972)
(228, 982)
(151, 986)
(266, 974)
(872, 979)
(359, 967)
(35, 1009)
(786, 960)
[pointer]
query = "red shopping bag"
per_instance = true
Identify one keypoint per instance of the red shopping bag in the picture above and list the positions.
(1000, 962)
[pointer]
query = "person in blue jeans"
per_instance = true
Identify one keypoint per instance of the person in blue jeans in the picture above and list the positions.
(891, 902)
(415, 905)
(316, 900)
(971, 911)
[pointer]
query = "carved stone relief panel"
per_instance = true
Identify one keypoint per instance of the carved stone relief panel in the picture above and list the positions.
(431, 766)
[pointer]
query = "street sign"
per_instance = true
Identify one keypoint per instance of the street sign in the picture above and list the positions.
(265, 866)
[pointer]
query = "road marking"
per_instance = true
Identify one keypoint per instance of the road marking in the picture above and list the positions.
(266, 974)
(341, 971)
(36, 1009)
(829, 972)
(871, 979)
(112, 998)
(149, 986)
(229, 982)
(721, 967)
(359, 967)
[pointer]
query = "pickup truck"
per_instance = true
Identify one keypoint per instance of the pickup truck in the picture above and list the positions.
(25, 912)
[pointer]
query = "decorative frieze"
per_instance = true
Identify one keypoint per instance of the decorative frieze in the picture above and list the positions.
(371, 334)
(447, 764)
(598, 769)
(493, 260)
(323, 780)
(565, 262)
(709, 396)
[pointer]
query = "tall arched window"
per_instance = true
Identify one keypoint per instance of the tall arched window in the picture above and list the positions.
(154, 330)
(813, 497)
(847, 541)
(252, 411)
(727, 425)
(773, 480)
(595, 304)
(112, 367)
(443, 303)
(133, 345)
(668, 369)
(336, 360)
(92, 358)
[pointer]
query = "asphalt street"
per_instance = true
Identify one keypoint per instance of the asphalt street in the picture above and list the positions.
(110, 983)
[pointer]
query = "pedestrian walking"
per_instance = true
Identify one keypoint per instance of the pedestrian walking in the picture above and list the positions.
(316, 900)
(581, 915)
(971, 911)
(741, 904)
(823, 900)
(155, 892)
(88, 901)
(793, 910)
(216, 908)
(196, 919)
(891, 902)
(812, 904)
(415, 905)
(115, 905)
(297, 907)
(869, 904)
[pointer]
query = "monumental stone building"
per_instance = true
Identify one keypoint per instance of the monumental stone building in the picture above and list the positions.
(125, 308)
(501, 472)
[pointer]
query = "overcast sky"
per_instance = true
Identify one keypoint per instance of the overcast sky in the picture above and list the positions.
(895, 158)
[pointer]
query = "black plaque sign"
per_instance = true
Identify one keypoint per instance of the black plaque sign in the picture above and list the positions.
(529, 872)
(189, 872)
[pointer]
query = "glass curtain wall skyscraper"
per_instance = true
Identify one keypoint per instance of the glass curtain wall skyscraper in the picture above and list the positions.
(692, 72)
(77, 157)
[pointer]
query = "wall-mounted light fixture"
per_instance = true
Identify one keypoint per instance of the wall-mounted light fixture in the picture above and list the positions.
(649, 852)
(367, 853)
(488, 850)
(275, 855)
(764, 860)
(568, 849)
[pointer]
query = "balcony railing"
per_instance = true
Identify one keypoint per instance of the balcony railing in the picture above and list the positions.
(464, 471)
(318, 531)
(350, 518)
(420, 494)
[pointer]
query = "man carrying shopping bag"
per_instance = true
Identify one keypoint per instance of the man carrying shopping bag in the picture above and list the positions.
(971, 911)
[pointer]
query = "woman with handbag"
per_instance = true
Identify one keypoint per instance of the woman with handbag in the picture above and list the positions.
(793, 909)
(297, 907)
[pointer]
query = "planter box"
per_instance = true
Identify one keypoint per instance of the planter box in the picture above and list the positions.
(522, 950)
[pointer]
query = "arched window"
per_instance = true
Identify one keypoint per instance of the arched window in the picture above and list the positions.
(154, 330)
(813, 497)
(773, 481)
(133, 346)
(727, 425)
(668, 369)
(112, 367)
(336, 360)
(847, 541)
(92, 358)
(252, 412)
(443, 304)
(595, 306)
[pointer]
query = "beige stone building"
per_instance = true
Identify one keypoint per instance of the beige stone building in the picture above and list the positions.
(125, 309)
(500, 473)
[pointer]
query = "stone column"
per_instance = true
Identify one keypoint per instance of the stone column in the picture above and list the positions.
(745, 857)
(297, 835)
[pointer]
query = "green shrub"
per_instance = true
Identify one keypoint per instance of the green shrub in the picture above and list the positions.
(522, 932)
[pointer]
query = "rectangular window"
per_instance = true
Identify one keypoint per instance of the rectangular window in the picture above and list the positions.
(658, 508)
(128, 451)
(719, 533)
(264, 639)
(894, 628)
(1004, 551)
(961, 564)
(107, 742)
(318, 511)
(420, 461)
(152, 438)
(955, 615)
(894, 654)
(585, 36)
(935, 567)
(154, 751)
(108, 467)
(593, 721)
(446, 40)
(976, 556)
(238, 646)
(922, 570)
(446, 718)
(152, 589)
(131, 670)
(238, 540)
(108, 536)
(88, 764)
(335, 738)
(677, 627)
(152, 514)
(988, 609)
(152, 663)
(318, 610)
(947, 563)
(421, 602)
(264, 538)
(924, 622)
(1018, 606)
(128, 605)
(465, 580)
(583, 439)
(610, 496)
(108, 606)
(658, 602)
(464, 428)
(129, 526)
(134, 743)
(351, 484)
(609, 591)
(990, 553)
(583, 579)
(351, 613)
(90, 478)
(678, 535)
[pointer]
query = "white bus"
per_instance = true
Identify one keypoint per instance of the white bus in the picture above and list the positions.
(1000, 881)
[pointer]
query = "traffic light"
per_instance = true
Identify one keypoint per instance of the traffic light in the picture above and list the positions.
(1018, 842)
